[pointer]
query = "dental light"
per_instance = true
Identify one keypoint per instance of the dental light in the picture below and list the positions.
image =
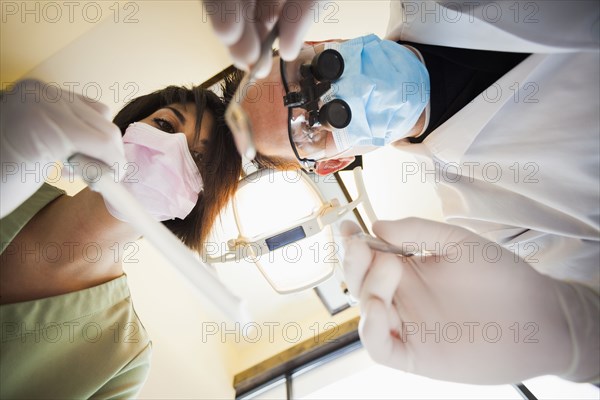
(277, 216)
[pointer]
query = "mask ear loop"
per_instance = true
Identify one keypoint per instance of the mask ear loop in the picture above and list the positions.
(309, 165)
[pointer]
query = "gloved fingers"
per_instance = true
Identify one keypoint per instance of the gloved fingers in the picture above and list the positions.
(357, 258)
(269, 13)
(266, 15)
(29, 96)
(294, 22)
(227, 19)
(97, 106)
(112, 153)
(263, 67)
(245, 52)
(417, 233)
(242, 25)
(382, 278)
(32, 88)
(97, 137)
(88, 113)
(348, 228)
(96, 115)
(53, 124)
(379, 334)
(87, 127)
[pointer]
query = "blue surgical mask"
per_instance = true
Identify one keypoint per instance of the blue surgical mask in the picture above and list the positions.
(386, 86)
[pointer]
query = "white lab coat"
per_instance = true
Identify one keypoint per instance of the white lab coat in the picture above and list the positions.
(520, 164)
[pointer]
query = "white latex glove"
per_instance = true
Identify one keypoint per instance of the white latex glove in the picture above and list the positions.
(41, 124)
(242, 25)
(475, 314)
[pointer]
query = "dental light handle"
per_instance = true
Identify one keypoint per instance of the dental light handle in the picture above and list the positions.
(195, 272)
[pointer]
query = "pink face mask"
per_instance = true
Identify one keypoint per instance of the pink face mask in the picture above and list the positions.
(162, 175)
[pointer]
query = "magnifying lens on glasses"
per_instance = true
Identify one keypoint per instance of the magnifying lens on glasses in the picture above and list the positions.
(310, 119)
(315, 80)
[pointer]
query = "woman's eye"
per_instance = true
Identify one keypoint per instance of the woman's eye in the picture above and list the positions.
(164, 125)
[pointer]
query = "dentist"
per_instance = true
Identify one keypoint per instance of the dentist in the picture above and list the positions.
(502, 115)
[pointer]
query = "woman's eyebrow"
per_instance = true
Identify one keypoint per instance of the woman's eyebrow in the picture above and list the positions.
(178, 114)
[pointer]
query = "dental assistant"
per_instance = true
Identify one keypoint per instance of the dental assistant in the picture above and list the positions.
(69, 329)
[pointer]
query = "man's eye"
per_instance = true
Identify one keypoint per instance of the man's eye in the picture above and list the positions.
(309, 131)
(196, 155)
(164, 125)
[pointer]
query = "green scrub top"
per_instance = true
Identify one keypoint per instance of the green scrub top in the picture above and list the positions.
(84, 344)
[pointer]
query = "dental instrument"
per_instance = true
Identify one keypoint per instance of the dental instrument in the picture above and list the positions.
(237, 119)
(194, 271)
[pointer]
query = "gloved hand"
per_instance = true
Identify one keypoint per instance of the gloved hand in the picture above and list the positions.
(471, 311)
(242, 25)
(40, 124)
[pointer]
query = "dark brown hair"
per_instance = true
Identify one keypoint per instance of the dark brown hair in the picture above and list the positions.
(220, 167)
